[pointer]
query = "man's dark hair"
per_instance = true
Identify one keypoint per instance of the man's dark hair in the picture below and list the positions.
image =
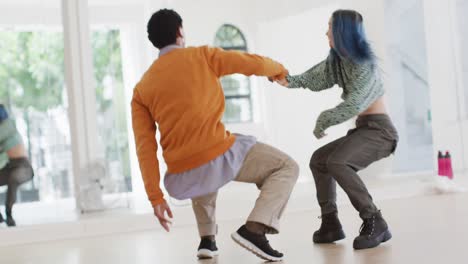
(163, 28)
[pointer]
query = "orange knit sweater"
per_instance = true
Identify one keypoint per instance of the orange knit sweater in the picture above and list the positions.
(181, 92)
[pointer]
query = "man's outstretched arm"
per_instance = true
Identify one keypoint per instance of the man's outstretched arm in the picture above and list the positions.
(224, 62)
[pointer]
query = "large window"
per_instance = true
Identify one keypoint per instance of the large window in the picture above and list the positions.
(32, 87)
(110, 99)
(69, 94)
(236, 87)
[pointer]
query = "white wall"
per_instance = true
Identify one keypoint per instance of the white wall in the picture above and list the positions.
(442, 71)
(406, 43)
(203, 19)
(459, 9)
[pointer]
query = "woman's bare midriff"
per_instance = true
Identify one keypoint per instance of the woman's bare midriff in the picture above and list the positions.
(378, 107)
(17, 151)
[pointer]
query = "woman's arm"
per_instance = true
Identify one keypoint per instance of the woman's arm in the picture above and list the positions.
(318, 78)
(354, 104)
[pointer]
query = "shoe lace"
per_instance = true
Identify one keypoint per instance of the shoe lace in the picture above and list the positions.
(367, 227)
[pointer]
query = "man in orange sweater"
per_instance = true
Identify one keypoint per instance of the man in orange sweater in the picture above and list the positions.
(181, 93)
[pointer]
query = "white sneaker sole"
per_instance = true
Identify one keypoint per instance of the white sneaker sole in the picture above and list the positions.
(206, 254)
(252, 248)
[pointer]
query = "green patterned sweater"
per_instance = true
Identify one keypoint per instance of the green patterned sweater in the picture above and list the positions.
(9, 137)
(361, 84)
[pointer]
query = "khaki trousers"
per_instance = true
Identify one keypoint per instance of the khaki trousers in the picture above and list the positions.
(274, 173)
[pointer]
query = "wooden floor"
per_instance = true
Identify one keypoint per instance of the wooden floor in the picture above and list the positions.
(429, 229)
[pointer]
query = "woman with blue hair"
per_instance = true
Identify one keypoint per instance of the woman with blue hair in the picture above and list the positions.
(351, 65)
(15, 168)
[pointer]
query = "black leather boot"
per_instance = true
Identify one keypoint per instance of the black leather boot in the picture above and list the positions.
(330, 230)
(374, 230)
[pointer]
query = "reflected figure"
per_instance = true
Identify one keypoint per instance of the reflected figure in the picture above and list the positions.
(15, 168)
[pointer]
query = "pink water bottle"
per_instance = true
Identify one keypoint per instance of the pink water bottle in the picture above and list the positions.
(448, 165)
(441, 170)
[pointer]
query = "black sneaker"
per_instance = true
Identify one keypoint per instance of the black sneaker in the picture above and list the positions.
(207, 249)
(257, 244)
(1, 218)
(330, 230)
(374, 230)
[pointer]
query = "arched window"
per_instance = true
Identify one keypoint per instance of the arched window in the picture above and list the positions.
(236, 87)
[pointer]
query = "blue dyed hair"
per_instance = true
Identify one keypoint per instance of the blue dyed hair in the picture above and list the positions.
(349, 37)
